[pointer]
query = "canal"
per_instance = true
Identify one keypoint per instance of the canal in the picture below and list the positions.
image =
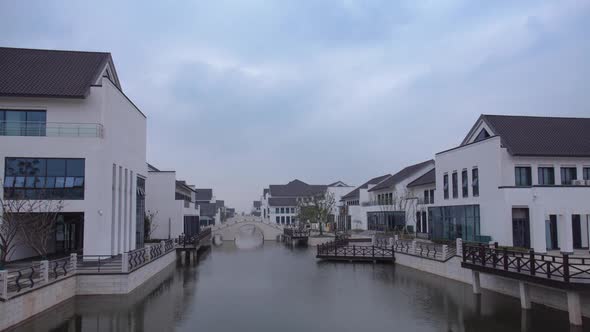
(276, 288)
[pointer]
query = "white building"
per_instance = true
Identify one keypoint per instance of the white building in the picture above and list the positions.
(518, 180)
(279, 202)
(172, 205)
(386, 202)
(68, 132)
(210, 212)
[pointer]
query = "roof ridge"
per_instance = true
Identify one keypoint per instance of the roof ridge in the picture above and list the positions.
(535, 116)
(52, 50)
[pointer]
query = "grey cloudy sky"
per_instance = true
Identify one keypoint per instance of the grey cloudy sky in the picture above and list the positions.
(240, 94)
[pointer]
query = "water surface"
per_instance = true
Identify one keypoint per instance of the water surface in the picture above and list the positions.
(276, 288)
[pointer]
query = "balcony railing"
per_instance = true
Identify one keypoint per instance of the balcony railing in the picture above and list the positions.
(50, 129)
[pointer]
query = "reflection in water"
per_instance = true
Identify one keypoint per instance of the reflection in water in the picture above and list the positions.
(275, 288)
(249, 237)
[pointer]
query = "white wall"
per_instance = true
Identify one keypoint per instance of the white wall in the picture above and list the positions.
(123, 144)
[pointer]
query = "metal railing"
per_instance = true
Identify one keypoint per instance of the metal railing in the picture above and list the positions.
(439, 252)
(50, 129)
(296, 232)
(565, 268)
(92, 264)
(341, 249)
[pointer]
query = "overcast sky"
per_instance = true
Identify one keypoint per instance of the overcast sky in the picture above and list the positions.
(240, 94)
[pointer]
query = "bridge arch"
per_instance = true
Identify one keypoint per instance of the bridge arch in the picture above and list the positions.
(230, 230)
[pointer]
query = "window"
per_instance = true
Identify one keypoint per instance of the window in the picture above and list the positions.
(288, 220)
(22, 123)
(483, 134)
(522, 176)
(568, 174)
(475, 182)
(426, 196)
(282, 210)
(292, 210)
(43, 178)
(446, 186)
(277, 210)
(283, 220)
(455, 185)
(586, 173)
(278, 220)
(464, 184)
(546, 175)
(451, 222)
(431, 196)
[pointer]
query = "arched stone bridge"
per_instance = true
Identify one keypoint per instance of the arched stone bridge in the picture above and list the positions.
(231, 228)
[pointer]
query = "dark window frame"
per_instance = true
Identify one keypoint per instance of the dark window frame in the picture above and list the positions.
(455, 184)
(546, 175)
(35, 182)
(523, 176)
(586, 173)
(464, 183)
(446, 186)
(567, 180)
(475, 182)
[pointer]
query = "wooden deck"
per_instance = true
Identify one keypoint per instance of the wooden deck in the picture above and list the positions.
(342, 251)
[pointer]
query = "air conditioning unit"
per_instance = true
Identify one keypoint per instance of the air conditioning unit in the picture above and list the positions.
(579, 182)
(588, 182)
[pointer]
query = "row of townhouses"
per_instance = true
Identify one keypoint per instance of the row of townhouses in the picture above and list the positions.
(520, 181)
(279, 202)
(68, 132)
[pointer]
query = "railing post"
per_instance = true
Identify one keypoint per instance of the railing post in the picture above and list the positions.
(505, 259)
(163, 245)
(353, 250)
(74, 262)
(482, 255)
(459, 246)
(373, 251)
(445, 251)
(4, 283)
(45, 271)
(566, 268)
(413, 247)
(532, 262)
(463, 252)
(125, 262)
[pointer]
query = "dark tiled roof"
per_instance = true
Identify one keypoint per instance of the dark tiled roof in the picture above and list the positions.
(257, 204)
(282, 201)
(355, 192)
(219, 203)
(401, 175)
(208, 209)
(296, 188)
(50, 73)
(204, 194)
(428, 178)
(541, 136)
(339, 184)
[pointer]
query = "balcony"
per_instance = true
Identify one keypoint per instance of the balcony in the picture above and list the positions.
(50, 129)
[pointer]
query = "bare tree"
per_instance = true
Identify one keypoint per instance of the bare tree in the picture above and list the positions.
(316, 208)
(37, 223)
(399, 201)
(149, 227)
(10, 219)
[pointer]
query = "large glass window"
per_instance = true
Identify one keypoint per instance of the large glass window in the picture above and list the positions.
(586, 173)
(475, 182)
(22, 123)
(431, 196)
(464, 183)
(546, 175)
(455, 185)
(568, 174)
(522, 176)
(43, 178)
(452, 222)
(446, 186)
